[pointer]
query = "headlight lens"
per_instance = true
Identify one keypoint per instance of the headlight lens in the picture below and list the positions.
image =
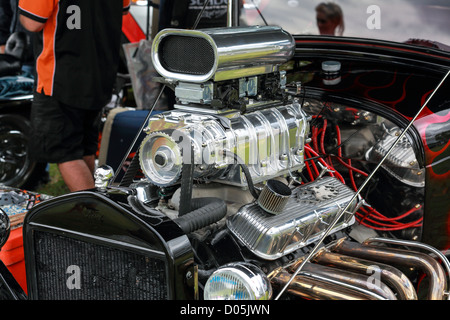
(238, 281)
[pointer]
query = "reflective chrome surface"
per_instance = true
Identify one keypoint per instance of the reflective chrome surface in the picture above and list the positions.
(418, 246)
(238, 281)
(406, 258)
(274, 196)
(160, 159)
(347, 270)
(238, 52)
(103, 175)
(402, 162)
(306, 216)
(387, 274)
(270, 142)
(323, 283)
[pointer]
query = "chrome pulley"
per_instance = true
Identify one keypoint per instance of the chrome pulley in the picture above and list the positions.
(161, 159)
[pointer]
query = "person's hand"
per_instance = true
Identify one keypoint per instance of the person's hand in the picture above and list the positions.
(2, 49)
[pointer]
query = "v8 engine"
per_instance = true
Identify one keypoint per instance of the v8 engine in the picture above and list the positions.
(248, 188)
(257, 136)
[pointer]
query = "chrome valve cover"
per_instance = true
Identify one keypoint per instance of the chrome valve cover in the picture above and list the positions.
(401, 163)
(310, 210)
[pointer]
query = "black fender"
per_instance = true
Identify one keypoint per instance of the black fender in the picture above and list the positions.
(9, 287)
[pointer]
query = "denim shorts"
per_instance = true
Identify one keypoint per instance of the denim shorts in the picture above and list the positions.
(61, 133)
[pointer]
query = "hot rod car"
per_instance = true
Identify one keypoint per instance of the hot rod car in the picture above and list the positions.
(291, 167)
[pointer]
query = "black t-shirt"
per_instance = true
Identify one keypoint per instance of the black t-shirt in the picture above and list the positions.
(77, 54)
(183, 13)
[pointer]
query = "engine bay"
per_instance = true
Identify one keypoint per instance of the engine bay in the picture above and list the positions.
(258, 171)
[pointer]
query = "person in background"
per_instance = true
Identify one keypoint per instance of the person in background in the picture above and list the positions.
(5, 23)
(183, 14)
(330, 19)
(77, 56)
(9, 24)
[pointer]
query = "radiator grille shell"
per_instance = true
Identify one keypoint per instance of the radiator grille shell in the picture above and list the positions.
(84, 246)
(106, 273)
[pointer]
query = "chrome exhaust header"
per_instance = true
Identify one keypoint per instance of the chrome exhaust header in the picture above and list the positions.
(400, 257)
(347, 270)
(319, 282)
(390, 275)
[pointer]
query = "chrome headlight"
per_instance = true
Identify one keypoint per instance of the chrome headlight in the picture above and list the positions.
(238, 281)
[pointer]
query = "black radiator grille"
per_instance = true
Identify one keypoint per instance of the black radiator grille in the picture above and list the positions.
(106, 273)
(186, 55)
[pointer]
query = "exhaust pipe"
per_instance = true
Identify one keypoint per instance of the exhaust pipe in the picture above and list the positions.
(399, 257)
(325, 283)
(347, 270)
(393, 277)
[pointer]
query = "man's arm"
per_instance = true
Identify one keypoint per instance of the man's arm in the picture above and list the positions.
(34, 13)
(30, 24)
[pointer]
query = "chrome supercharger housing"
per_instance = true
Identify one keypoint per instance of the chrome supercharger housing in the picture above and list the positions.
(269, 142)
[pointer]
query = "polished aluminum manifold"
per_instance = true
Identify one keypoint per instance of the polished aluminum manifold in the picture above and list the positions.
(308, 213)
(268, 142)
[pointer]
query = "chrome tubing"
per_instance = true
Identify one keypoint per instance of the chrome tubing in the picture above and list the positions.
(399, 257)
(418, 245)
(393, 277)
(227, 53)
(232, 13)
(324, 283)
